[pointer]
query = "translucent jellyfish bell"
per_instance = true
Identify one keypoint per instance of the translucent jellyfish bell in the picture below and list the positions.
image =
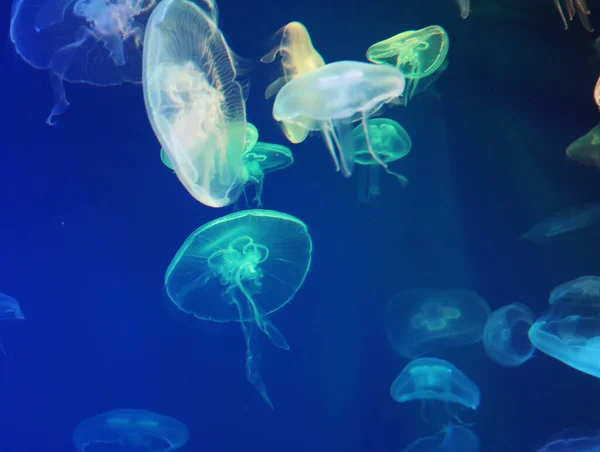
(127, 429)
(570, 330)
(420, 321)
(434, 379)
(505, 335)
(10, 308)
(251, 136)
(586, 149)
(242, 267)
(389, 142)
(415, 53)
(330, 98)
(452, 438)
(81, 41)
(194, 104)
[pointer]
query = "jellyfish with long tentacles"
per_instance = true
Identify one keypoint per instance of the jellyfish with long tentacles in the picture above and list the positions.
(332, 97)
(242, 268)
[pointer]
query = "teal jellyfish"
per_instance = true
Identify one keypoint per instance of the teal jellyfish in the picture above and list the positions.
(10, 308)
(95, 42)
(127, 429)
(420, 321)
(505, 336)
(331, 97)
(242, 267)
(194, 104)
(570, 330)
(452, 438)
(566, 221)
(390, 142)
(251, 136)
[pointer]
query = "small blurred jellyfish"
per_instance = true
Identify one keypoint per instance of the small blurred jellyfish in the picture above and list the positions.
(465, 8)
(127, 429)
(505, 335)
(10, 308)
(332, 97)
(586, 149)
(452, 438)
(420, 321)
(573, 440)
(97, 42)
(195, 106)
(390, 142)
(433, 379)
(570, 329)
(585, 218)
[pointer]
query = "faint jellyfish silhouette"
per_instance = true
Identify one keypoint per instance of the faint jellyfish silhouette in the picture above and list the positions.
(242, 267)
(451, 438)
(505, 335)
(298, 56)
(420, 321)
(390, 142)
(251, 136)
(194, 104)
(81, 41)
(465, 8)
(127, 429)
(330, 98)
(433, 379)
(570, 330)
(10, 309)
(573, 440)
(586, 149)
(565, 221)
(574, 6)
(415, 53)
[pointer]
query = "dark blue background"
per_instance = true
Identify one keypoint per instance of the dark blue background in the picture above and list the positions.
(90, 219)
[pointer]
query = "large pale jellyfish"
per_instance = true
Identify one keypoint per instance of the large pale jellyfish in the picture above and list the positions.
(194, 104)
(97, 42)
(332, 97)
(415, 53)
(298, 56)
(586, 149)
(242, 267)
(128, 429)
(573, 7)
(570, 330)
(10, 309)
(390, 142)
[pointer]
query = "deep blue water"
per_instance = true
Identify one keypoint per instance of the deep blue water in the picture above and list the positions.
(91, 219)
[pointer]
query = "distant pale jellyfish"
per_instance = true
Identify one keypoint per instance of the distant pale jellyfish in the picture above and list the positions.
(586, 149)
(332, 97)
(194, 104)
(390, 142)
(10, 308)
(465, 8)
(298, 56)
(127, 429)
(585, 218)
(415, 53)
(242, 267)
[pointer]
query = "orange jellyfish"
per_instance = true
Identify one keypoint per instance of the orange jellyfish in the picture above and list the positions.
(298, 56)
(574, 6)
(586, 149)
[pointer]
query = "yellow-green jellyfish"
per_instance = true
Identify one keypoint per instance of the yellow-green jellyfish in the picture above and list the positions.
(416, 53)
(242, 267)
(389, 142)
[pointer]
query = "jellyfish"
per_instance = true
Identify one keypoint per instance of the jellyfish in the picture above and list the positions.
(464, 7)
(263, 158)
(415, 53)
(132, 429)
(242, 267)
(451, 438)
(573, 440)
(81, 41)
(574, 6)
(597, 92)
(390, 142)
(330, 98)
(251, 136)
(565, 221)
(433, 379)
(570, 330)
(421, 321)
(586, 149)
(298, 56)
(194, 104)
(505, 335)
(10, 309)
